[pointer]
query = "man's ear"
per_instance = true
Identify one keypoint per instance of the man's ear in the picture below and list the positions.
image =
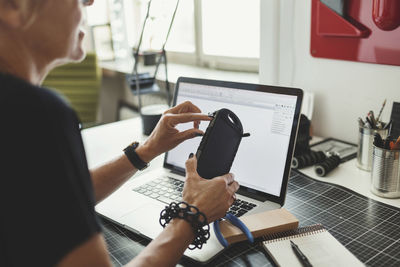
(11, 14)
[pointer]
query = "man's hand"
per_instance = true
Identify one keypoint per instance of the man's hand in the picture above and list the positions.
(165, 136)
(212, 197)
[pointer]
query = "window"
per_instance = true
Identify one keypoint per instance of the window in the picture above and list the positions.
(182, 38)
(233, 31)
(107, 22)
(220, 34)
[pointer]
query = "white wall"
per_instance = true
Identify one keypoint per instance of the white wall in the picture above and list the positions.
(343, 90)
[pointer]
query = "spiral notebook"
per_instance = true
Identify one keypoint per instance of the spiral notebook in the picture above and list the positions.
(316, 243)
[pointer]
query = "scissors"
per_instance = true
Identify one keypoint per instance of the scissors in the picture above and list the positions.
(236, 222)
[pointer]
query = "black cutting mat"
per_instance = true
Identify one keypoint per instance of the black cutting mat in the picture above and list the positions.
(369, 229)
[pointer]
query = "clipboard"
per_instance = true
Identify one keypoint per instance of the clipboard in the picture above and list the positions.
(345, 150)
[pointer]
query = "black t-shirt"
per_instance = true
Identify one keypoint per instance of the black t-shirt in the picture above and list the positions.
(46, 195)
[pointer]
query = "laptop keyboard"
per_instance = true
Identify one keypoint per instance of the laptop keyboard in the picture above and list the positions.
(165, 190)
(170, 189)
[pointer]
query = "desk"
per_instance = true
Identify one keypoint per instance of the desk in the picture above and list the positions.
(125, 66)
(375, 241)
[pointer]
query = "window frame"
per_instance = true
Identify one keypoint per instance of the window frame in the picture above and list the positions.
(198, 57)
(210, 61)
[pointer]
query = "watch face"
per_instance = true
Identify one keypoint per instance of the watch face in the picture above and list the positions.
(135, 144)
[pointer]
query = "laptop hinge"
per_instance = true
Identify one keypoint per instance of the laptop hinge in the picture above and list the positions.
(178, 171)
(245, 192)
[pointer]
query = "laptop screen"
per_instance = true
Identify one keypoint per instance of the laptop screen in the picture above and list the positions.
(267, 113)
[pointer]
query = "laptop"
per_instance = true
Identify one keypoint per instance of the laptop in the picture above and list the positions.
(262, 164)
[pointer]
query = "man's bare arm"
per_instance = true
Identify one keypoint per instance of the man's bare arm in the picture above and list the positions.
(168, 247)
(109, 177)
(165, 250)
(212, 197)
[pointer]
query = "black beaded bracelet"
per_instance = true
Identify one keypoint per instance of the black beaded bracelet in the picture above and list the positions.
(191, 214)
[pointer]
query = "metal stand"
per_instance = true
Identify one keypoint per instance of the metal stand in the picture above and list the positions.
(144, 83)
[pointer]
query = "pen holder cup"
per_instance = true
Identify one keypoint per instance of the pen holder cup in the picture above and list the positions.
(385, 174)
(364, 151)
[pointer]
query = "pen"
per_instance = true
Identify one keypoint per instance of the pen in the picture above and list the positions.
(372, 118)
(389, 125)
(360, 122)
(302, 258)
(369, 121)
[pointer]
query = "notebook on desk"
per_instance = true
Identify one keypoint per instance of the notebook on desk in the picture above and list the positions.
(262, 163)
(315, 242)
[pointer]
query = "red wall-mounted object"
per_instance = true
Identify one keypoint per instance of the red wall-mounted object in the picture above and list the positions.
(386, 14)
(369, 31)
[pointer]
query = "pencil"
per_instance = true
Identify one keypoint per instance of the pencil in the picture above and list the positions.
(380, 112)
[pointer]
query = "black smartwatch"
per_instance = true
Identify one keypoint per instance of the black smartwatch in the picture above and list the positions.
(134, 158)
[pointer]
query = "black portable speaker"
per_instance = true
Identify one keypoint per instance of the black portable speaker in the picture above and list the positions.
(219, 145)
(303, 137)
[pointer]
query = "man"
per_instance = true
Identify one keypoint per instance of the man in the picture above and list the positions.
(47, 193)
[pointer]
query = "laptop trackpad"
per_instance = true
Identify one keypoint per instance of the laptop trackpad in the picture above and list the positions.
(145, 219)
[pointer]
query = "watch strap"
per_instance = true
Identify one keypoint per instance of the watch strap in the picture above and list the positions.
(137, 162)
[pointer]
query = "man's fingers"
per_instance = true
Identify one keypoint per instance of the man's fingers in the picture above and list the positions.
(188, 134)
(229, 178)
(233, 187)
(191, 165)
(196, 124)
(185, 107)
(232, 199)
(188, 117)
